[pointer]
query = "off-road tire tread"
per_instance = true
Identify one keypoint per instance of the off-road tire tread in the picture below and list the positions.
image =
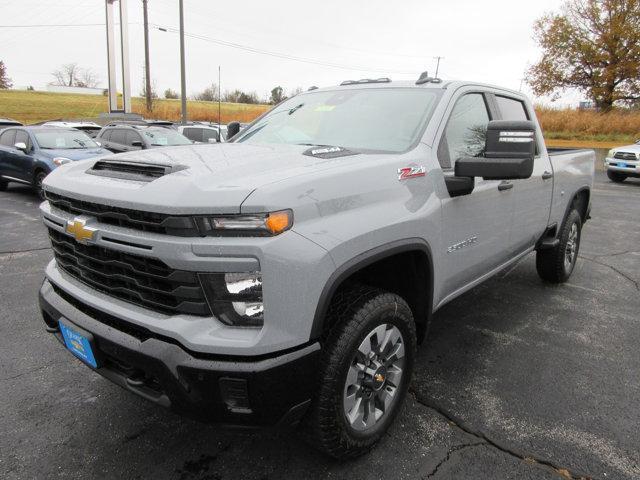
(616, 177)
(348, 313)
(550, 263)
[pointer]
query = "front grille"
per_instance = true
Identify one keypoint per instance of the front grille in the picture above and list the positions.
(143, 281)
(625, 156)
(182, 226)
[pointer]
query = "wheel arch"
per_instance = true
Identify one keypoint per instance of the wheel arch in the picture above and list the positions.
(417, 285)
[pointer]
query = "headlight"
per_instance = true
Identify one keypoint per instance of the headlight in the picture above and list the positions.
(263, 224)
(611, 153)
(61, 161)
(235, 298)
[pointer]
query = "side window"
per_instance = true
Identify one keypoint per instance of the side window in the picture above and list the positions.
(23, 137)
(119, 136)
(106, 135)
(466, 130)
(208, 133)
(511, 109)
(132, 137)
(194, 134)
(7, 138)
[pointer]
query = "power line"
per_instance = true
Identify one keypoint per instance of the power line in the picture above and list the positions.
(285, 56)
(63, 25)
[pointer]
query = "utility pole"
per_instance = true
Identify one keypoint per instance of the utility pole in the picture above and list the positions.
(219, 105)
(147, 68)
(438, 64)
(183, 86)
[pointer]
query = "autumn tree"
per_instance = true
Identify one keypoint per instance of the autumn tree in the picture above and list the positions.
(5, 81)
(277, 95)
(592, 46)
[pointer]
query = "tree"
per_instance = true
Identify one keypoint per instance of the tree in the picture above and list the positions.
(209, 94)
(5, 81)
(169, 93)
(71, 75)
(277, 95)
(592, 46)
(154, 94)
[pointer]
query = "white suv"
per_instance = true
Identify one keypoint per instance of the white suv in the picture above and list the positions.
(623, 162)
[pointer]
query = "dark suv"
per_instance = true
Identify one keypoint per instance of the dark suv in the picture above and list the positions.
(127, 138)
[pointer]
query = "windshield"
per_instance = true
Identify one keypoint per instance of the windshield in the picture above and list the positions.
(64, 139)
(367, 119)
(165, 137)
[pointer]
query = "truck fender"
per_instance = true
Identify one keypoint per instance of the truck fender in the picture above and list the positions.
(368, 258)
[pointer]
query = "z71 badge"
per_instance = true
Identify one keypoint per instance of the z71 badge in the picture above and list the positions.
(405, 173)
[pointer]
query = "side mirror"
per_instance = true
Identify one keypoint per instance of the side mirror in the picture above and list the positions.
(136, 143)
(232, 130)
(509, 152)
(21, 146)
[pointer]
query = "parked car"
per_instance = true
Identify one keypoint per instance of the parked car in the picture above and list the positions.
(128, 138)
(90, 128)
(623, 162)
(29, 154)
(200, 133)
(8, 122)
(143, 122)
(289, 275)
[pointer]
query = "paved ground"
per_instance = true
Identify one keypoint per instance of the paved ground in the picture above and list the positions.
(517, 380)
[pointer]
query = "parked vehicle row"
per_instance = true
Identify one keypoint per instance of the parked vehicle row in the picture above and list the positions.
(29, 154)
(289, 277)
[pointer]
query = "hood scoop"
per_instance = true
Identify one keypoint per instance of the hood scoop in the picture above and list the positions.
(130, 170)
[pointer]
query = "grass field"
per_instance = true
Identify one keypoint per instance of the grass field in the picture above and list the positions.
(31, 107)
(563, 128)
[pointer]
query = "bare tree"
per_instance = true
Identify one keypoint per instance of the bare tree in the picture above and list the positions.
(88, 78)
(67, 75)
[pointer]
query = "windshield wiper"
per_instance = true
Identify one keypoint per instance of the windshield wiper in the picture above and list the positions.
(294, 109)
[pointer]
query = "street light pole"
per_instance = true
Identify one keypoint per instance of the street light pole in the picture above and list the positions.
(183, 87)
(147, 68)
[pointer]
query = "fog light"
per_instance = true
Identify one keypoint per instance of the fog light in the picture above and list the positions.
(235, 298)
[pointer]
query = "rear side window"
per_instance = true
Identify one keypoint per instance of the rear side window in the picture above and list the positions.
(511, 109)
(208, 133)
(106, 135)
(7, 138)
(466, 131)
(194, 134)
(119, 136)
(133, 137)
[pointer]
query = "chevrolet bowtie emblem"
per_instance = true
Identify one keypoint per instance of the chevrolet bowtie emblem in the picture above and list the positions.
(78, 228)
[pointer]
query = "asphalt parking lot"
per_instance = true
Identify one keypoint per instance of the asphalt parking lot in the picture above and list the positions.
(518, 379)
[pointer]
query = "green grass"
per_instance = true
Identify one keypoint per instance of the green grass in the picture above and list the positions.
(30, 107)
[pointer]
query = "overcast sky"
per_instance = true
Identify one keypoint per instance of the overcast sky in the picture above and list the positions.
(482, 41)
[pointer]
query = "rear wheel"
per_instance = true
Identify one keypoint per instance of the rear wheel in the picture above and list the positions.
(555, 265)
(615, 176)
(37, 183)
(3, 184)
(365, 372)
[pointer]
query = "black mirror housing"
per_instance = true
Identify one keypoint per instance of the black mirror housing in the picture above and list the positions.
(232, 130)
(510, 149)
(136, 143)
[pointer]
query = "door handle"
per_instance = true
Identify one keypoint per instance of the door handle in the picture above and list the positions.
(547, 175)
(505, 186)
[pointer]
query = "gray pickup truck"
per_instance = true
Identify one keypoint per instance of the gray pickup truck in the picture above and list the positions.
(286, 277)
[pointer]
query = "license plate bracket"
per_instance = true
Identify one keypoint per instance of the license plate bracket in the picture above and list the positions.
(79, 342)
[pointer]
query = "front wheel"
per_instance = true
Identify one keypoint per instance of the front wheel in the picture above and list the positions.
(555, 265)
(37, 183)
(365, 371)
(616, 177)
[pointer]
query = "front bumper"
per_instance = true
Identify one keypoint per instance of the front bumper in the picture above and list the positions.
(631, 168)
(265, 391)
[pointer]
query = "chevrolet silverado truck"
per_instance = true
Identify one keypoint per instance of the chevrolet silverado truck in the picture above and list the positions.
(286, 277)
(623, 162)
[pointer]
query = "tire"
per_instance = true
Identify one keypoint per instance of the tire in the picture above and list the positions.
(555, 265)
(615, 176)
(37, 183)
(3, 185)
(341, 422)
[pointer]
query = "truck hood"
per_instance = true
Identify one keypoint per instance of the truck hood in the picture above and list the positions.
(628, 148)
(207, 178)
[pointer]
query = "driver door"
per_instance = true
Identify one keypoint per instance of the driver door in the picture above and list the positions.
(476, 228)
